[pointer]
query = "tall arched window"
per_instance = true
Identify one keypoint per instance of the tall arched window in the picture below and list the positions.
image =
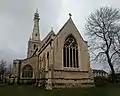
(70, 52)
(48, 59)
(27, 71)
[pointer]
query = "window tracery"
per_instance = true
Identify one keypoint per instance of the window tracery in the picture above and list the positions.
(27, 71)
(70, 52)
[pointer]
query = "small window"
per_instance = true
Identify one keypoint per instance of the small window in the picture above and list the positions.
(35, 34)
(34, 46)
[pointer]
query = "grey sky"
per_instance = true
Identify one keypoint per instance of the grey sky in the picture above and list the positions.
(16, 20)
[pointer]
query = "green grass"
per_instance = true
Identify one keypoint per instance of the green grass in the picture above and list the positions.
(15, 90)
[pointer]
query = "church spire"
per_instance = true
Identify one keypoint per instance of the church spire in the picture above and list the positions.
(35, 34)
(37, 10)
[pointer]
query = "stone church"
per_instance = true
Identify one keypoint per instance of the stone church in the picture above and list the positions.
(58, 61)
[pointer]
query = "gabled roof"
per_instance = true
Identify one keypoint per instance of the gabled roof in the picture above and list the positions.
(70, 21)
(64, 25)
(47, 38)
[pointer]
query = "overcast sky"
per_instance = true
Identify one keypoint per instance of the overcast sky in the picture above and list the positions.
(16, 20)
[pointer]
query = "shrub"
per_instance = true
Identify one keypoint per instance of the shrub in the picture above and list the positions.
(102, 81)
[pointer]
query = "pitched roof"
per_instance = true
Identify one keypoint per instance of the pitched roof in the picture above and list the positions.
(46, 38)
(69, 21)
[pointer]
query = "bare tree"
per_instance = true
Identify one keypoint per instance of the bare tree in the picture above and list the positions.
(9, 70)
(103, 30)
(2, 68)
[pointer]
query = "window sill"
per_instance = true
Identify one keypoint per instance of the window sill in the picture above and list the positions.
(71, 69)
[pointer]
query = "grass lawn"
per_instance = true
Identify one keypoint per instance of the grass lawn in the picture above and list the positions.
(24, 90)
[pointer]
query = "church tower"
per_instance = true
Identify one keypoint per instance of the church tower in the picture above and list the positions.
(34, 41)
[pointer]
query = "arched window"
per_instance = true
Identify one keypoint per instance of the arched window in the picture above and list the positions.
(27, 71)
(34, 46)
(70, 52)
(48, 59)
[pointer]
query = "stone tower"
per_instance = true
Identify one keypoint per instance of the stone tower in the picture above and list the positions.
(34, 41)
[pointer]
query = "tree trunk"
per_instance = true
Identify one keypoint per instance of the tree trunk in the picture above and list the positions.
(112, 68)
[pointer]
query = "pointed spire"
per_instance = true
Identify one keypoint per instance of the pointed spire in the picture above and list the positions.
(37, 10)
(36, 15)
(36, 34)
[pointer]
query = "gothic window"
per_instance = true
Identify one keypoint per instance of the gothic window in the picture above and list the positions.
(70, 53)
(27, 71)
(57, 43)
(36, 34)
(35, 46)
(48, 59)
(44, 60)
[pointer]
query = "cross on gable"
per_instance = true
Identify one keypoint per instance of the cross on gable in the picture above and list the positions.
(70, 15)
